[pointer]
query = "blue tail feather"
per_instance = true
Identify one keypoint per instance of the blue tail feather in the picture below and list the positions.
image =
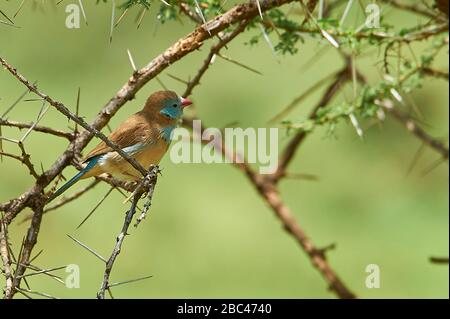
(92, 162)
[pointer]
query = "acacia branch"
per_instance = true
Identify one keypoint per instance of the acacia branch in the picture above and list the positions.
(435, 73)
(213, 51)
(24, 158)
(414, 8)
(423, 34)
(184, 8)
(146, 185)
(43, 129)
(29, 242)
(6, 260)
(267, 189)
(439, 260)
(408, 122)
(412, 127)
(289, 152)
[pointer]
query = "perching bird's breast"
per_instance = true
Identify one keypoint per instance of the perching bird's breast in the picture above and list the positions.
(146, 154)
(151, 154)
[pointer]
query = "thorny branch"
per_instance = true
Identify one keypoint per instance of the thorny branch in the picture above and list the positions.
(266, 186)
(146, 185)
(414, 8)
(411, 126)
(212, 53)
(28, 244)
(389, 106)
(6, 260)
(43, 129)
(341, 78)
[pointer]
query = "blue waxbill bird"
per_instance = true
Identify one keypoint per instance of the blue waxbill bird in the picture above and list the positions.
(145, 136)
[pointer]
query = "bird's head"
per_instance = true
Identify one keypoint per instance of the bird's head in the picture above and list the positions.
(167, 104)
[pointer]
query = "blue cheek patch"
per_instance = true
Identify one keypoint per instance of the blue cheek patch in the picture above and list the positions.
(172, 112)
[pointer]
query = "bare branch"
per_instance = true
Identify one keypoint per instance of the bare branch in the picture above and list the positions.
(436, 73)
(146, 185)
(290, 150)
(411, 126)
(24, 158)
(42, 294)
(43, 271)
(47, 273)
(414, 8)
(267, 189)
(6, 261)
(87, 248)
(439, 260)
(128, 281)
(184, 7)
(213, 51)
(43, 129)
(26, 249)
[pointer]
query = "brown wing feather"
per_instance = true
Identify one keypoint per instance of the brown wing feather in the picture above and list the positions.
(135, 129)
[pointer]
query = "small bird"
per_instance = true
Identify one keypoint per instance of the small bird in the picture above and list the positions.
(145, 136)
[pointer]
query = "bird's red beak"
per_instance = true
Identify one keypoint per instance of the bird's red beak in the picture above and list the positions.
(185, 102)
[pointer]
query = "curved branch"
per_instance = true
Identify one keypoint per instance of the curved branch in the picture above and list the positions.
(43, 129)
(412, 127)
(267, 189)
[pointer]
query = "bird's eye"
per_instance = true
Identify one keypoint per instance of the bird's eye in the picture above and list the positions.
(174, 105)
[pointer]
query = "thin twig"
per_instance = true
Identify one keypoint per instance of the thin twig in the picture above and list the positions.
(290, 150)
(96, 206)
(35, 268)
(147, 183)
(439, 260)
(43, 129)
(412, 127)
(72, 197)
(212, 52)
(43, 271)
(26, 249)
(87, 248)
(115, 284)
(6, 261)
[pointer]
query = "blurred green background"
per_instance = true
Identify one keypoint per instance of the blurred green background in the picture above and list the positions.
(209, 234)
